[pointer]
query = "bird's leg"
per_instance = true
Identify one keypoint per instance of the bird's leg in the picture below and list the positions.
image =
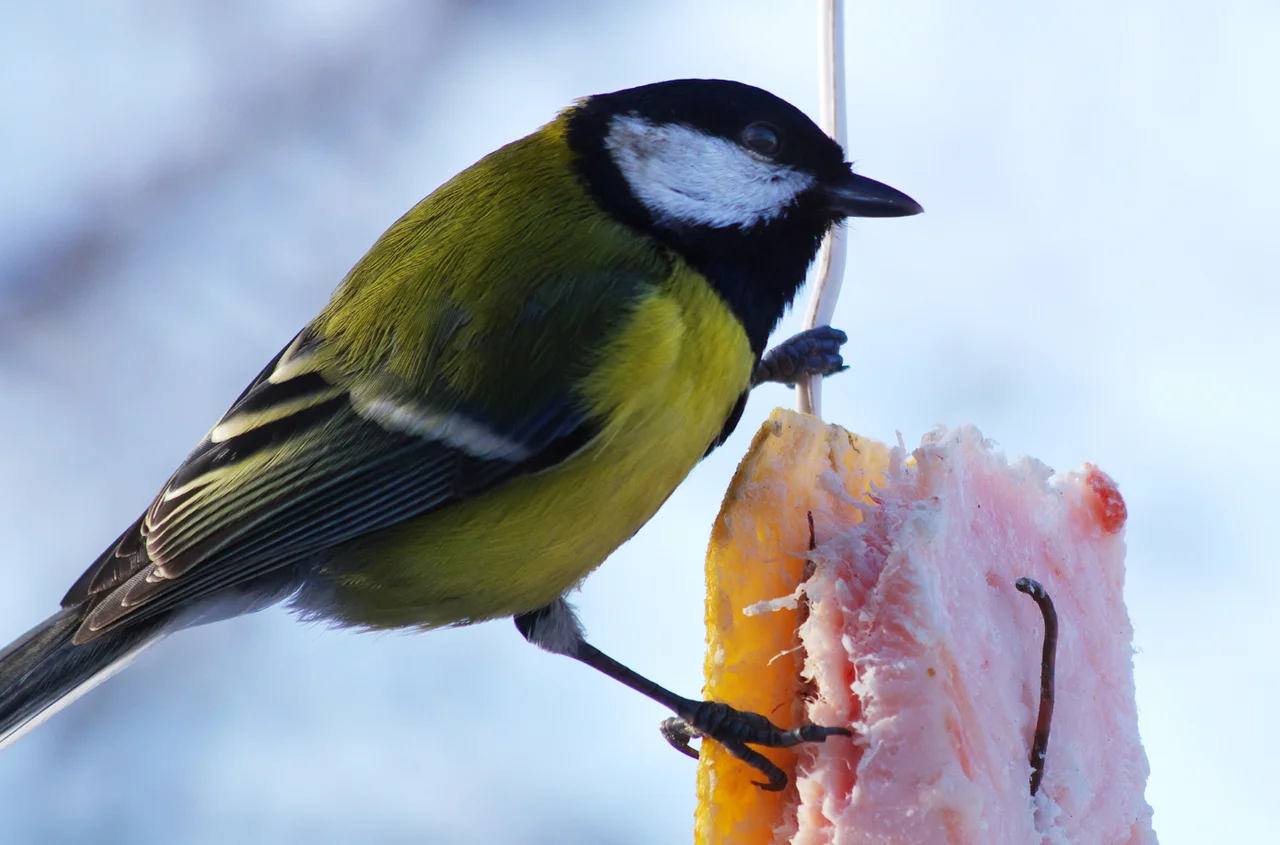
(555, 628)
(815, 352)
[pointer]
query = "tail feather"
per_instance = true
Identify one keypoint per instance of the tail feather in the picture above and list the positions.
(43, 671)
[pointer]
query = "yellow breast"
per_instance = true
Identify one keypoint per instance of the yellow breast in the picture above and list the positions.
(665, 386)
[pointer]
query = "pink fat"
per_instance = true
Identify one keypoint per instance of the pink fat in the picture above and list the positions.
(917, 639)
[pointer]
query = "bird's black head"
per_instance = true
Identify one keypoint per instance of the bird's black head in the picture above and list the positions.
(742, 184)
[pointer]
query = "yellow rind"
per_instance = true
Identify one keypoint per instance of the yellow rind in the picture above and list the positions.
(796, 465)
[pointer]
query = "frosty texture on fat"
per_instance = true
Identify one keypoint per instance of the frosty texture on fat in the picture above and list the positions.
(916, 638)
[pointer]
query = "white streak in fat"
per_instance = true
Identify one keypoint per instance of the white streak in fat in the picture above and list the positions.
(455, 430)
(686, 176)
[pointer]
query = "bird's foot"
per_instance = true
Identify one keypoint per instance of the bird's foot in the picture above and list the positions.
(815, 352)
(735, 730)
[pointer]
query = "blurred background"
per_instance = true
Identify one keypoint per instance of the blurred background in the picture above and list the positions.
(185, 182)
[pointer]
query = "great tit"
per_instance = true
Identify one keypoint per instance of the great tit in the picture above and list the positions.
(501, 392)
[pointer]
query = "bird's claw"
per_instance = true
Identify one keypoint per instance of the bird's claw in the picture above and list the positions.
(735, 730)
(815, 352)
(679, 735)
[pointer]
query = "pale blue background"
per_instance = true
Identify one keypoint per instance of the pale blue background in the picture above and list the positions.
(184, 183)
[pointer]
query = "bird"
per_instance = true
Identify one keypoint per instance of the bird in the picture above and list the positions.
(503, 390)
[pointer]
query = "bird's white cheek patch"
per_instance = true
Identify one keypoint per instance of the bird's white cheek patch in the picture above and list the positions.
(685, 176)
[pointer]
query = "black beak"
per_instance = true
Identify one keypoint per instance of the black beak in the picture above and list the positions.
(858, 196)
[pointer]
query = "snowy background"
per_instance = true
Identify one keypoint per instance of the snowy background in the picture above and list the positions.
(185, 182)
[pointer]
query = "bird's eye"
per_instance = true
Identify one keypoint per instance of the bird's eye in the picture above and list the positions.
(761, 138)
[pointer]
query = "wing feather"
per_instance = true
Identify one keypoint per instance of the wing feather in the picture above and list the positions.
(443, 366)
(297, 470)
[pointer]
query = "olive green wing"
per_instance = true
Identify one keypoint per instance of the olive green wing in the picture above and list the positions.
(308, 458)
(447, 362)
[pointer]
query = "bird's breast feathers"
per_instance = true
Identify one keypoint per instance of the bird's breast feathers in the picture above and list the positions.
(666, 382)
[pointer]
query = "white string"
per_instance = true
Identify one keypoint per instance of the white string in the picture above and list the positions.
(831, 258)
